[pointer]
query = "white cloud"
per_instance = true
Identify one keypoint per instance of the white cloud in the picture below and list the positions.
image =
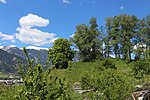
(33, 20)
(66, 1)
(122, 7)
(3, 1)
(34, 36)
(29, 35)
(7, 37)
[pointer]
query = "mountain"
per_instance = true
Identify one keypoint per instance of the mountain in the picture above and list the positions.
(8, 62)
(14, 50)
(10, 54)
(34, 53)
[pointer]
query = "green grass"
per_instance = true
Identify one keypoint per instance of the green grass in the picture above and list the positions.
(2, 75)
(75, 73)
(8, 92)
(79, 69)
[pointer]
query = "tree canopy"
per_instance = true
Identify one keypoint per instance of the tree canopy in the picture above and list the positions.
(87, 41)
(61, 53)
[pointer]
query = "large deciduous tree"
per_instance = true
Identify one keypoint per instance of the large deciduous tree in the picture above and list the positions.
(61, 53)
(86, 39)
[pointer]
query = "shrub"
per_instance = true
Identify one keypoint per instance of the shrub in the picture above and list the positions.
(113, 85)
(141, 68)
(87, 82)
(109, 84)
(109, 63)
(40, 85)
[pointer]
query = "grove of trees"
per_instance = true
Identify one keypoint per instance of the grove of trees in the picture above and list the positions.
(122, 36)
(87, 40)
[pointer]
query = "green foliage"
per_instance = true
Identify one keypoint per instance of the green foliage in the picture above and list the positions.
(87, 41)
(40, 85)
(108, 63)
(141, 68)
(120, 30)
(61, 53)
(8, 92)
(109, 84)
(106, 83)
(92, 76)
(138, 54)
(114, 85)
(122, 33)
(147, 55)
(87, 82)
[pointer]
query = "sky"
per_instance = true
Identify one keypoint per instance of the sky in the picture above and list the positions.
(37, 23)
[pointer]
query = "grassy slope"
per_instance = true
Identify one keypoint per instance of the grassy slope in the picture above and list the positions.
(81, 68)
(8, 92)
(77, 71)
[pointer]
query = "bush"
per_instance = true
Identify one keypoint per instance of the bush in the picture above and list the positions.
(141, 68)
(87, 82)
(40, 85)
(113, 85)
(108, 84)
(109, 63)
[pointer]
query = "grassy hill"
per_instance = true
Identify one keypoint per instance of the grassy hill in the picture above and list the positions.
(93, 69)
(79, 69)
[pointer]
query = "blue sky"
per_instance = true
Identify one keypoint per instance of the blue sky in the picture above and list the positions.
(40, 22)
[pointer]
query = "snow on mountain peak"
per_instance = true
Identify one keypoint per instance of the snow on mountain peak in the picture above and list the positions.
(12, 46)
(1, 47)
(5, 48)
(35, 48)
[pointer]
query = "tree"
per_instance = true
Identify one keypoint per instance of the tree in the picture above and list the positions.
(146, 35)
(39, 84)
(142, 39)
(120, 32)
(109, 26)
(87, 41)
(61, 53)
(127, 31)
(139, 39)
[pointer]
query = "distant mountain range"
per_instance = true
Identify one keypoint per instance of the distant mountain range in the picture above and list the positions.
(8, 62)
(9, 55)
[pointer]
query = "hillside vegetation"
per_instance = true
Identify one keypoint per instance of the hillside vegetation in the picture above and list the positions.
(98, 76)
(88, 74)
